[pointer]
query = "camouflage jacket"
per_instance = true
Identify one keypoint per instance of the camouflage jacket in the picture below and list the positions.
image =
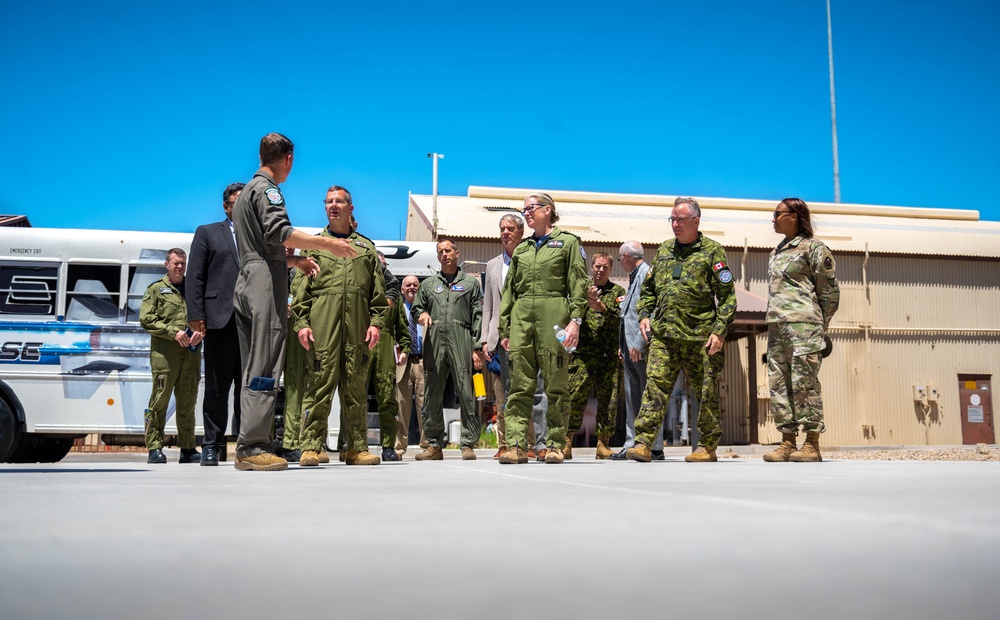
(680, 291)
(802, 286)
(599, 331)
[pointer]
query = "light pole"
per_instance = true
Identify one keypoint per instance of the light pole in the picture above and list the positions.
(833, 107)
(434, 192)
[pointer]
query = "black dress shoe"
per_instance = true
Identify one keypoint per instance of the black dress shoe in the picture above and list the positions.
(292, 456)
(156, 457)
(189, 455)
(389, 454)
(657, 455)
(210, 456)
(620, 456)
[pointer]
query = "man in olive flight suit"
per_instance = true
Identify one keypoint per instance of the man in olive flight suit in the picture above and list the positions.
(594, 366)
(678, 303)
(449, 305)
(174, 358)
(338, 316)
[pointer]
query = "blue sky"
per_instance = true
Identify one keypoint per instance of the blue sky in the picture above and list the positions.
(132, 116)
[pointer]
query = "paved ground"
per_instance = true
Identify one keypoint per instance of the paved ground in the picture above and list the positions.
(107, 536)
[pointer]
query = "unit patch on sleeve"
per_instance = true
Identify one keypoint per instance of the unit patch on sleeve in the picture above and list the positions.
(725, 276)
(274, 196)
(828, 262)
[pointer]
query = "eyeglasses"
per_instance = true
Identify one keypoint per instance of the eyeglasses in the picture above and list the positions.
(530, 208)
(778, 214)
(681, 219)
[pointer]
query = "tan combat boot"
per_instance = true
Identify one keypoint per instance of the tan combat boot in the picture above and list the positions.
(639, 452)
(353, 457)
(324, 458)
(468, 454)
(555, 455)
(430, 453)
(514, 455)
(265, 461)
(782, 452)
(309, 458)
(567, 451)
(809, 452)
(603, 451)
(702, 455)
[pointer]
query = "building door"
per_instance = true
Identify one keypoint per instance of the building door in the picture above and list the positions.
(976, 408)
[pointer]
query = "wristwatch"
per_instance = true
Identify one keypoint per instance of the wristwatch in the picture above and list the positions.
(578, 321)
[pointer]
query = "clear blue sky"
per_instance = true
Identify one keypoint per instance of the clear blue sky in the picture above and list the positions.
(134, 115)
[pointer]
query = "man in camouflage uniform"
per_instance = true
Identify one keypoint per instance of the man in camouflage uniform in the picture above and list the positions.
(803, 296)
(595, 363)
(678, 306)
(175, 359)
(382, 366)
(338, 316)
(449, 305)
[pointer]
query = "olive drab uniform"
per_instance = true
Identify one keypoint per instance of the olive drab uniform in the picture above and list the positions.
(338, 304)
(382, 362)
(456, 310)
(261, 304)
(546, 286)
(679, 297)
(803, 296)
(595, 364)
(294, 378)
(176, 369)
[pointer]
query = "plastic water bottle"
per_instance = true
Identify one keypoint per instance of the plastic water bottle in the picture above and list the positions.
(561, 336)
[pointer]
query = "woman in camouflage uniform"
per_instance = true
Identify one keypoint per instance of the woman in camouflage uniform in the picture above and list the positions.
(803, 296)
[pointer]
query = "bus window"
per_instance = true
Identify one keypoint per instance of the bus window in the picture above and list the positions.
(139, 279)
(27, 289)
(92, 293)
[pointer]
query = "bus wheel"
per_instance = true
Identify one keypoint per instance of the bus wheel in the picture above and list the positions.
(10, 434)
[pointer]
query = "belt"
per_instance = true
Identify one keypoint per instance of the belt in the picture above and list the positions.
(415, 357)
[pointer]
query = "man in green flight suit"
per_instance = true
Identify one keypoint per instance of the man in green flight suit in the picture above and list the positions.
(174, 358)
(546, 286)
(449, 305)
(677, 306)
(338, 315)
(594, 366)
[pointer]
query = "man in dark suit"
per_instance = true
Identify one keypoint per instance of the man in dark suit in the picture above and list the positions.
(212, 269)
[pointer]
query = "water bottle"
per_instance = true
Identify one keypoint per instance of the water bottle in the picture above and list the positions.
(561, 336)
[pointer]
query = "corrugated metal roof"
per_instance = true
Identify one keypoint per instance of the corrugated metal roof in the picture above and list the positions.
(734, 226)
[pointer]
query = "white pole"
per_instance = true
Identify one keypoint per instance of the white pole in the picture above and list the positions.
(434, 191)
(833, 107)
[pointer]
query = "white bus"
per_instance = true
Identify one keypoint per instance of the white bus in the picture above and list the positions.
(73, 358)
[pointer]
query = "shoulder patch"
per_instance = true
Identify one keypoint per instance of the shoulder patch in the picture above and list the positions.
(583, 254)
(718, 266)
(725, 276)
(828, 262)
(620, 299)
(274, 196)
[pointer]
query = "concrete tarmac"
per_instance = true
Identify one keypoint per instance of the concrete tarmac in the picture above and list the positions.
(107, 536)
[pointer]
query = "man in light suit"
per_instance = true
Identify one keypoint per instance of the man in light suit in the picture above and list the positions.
(632, 347)
(511, 233)
(212, 270)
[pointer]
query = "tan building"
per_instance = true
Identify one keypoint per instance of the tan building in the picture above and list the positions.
(917, 337)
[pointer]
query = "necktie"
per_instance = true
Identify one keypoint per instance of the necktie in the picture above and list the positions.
(414, 337)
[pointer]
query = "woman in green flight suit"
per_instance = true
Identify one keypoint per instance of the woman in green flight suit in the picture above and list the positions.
(546, 286)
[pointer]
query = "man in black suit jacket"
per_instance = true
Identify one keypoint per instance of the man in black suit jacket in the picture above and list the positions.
(213, 266)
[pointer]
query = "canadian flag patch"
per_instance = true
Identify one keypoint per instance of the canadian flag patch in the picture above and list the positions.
(718, 266)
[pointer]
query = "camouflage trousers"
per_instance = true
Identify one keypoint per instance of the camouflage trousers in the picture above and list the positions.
(793, 362)
(598, 375)
(664, 362)
(382, 374)
(295, 378)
